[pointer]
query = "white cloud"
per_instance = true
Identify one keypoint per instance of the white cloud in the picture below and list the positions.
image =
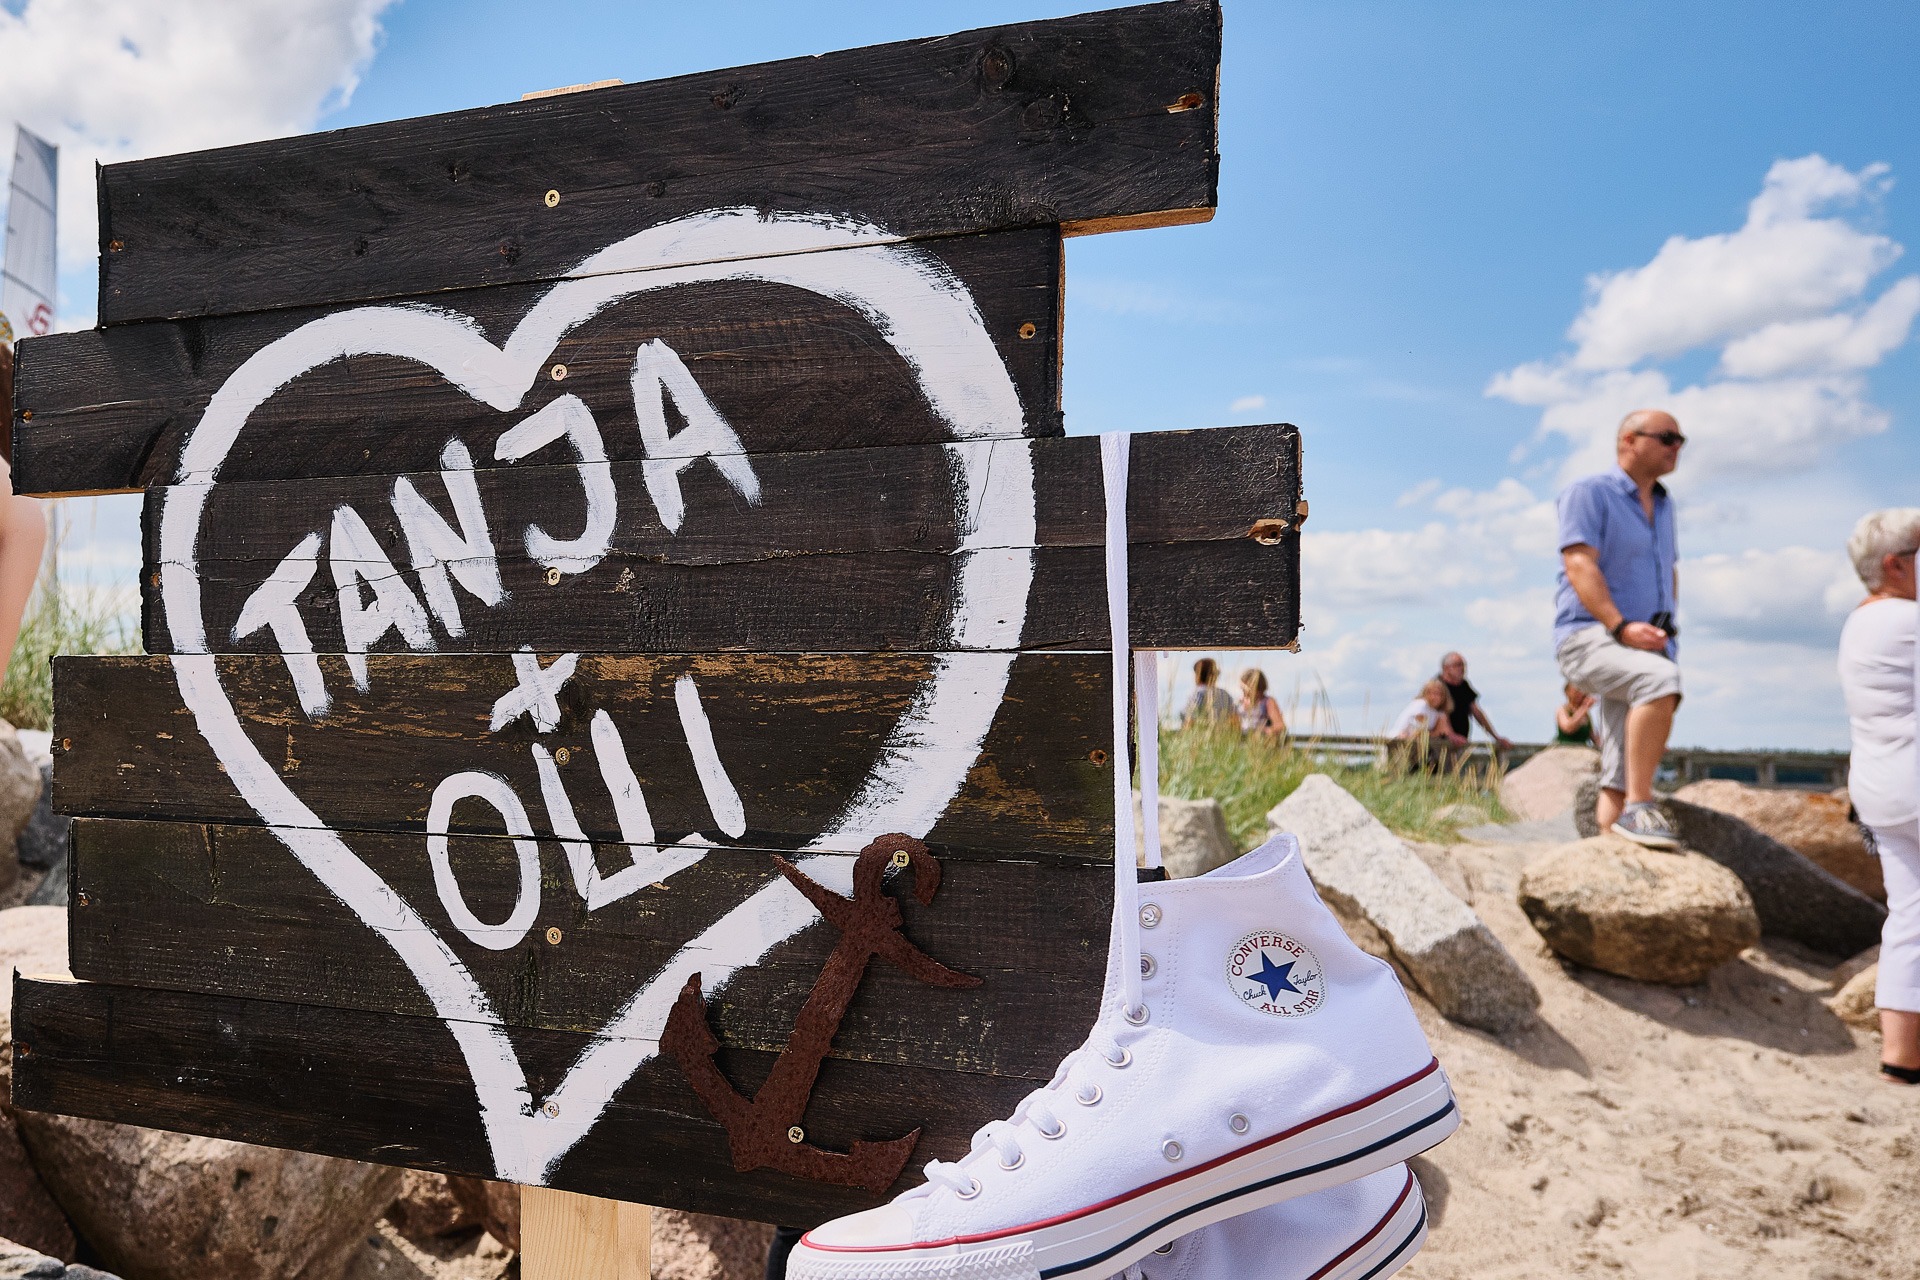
(1785, 594)
(1247, 404)
(110, 80)
(1783, 297)
(1824, 343)
(1784, 264)
(1484, 538)
(1418, 494)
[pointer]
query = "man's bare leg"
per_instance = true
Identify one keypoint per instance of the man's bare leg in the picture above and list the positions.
(1606, 809)
(1900, 1038)
(1647, 728)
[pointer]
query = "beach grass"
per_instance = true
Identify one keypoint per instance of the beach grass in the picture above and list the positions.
(1248, 776)
(60, 621)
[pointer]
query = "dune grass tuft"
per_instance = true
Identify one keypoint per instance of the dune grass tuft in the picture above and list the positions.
(1249, 776)
(60, 621)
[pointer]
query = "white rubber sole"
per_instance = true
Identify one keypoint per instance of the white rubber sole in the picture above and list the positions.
(1093, 1243)
(1388, 1246)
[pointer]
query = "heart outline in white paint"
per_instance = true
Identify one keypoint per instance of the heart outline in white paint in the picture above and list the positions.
(930, 319)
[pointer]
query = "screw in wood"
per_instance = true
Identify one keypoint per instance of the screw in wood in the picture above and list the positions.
(154, 578)
(553, 577)
(115, 246)
(553, 937)
(552, 1110)
(1098, 755)
(796, 1134)
(562, 756)
(558, 372)
(66, 744)
(553, 198)
(901, 858)
(26, 415)
(1027, 330)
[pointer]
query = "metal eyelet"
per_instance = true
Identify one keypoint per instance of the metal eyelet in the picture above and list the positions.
(1137, 1015)
(973, 1189)
(1239, 1123)
(1087, 1095)
(1058, 1133)
(1126, 1056)
(1165, 1248)
(1171, 1150)
(1149, 916)
(1017, 1162)
(1147, 966)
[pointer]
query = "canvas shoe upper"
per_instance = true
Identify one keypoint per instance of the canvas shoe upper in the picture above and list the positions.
(1274, 1058)
(1366, 1229)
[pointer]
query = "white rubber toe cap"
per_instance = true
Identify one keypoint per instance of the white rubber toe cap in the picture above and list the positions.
(888, 1225)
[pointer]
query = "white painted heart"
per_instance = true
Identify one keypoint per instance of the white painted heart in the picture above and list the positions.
(930, 319)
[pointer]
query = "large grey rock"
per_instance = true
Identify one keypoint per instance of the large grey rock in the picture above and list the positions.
(159, 1206)
(1811, 823)
(1547, 785)
(18, 1262)
(1193, 835)
(20, 786)
(34, 940)
(1647, 914)
(43, 841)
(1378, 886)
(1794, 898)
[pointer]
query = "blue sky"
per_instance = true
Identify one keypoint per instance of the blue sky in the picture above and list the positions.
(1415, 202)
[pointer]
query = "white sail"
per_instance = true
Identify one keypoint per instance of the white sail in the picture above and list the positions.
(27, 272)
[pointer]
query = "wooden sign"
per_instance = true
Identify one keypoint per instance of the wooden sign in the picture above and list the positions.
(625, 705)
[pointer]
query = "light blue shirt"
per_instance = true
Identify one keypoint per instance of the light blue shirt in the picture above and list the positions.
(1636, 556)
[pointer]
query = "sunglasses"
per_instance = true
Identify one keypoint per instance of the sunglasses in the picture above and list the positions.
(1671, 439)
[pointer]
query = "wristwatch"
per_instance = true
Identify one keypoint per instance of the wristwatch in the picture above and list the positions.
(1617, 628)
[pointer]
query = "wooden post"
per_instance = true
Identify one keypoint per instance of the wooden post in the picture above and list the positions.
(564, 1236)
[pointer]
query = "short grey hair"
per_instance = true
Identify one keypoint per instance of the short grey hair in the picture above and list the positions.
(1887, 532)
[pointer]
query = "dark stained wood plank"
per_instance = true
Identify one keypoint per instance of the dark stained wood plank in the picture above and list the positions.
(788, 369)
(796, 736)
(394, 1089)
(256, 924)
(1097, 121)
(844, 549)
(1185, 595)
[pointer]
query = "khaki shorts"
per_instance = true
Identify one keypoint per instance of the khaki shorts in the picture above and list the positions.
(1619, 678)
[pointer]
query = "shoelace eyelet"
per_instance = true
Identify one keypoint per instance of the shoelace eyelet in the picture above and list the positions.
(1147, 966)
(1149, 916)
(1137, 1015)
(1126, 1056)
(1017, 1162)
(1165, 1248)
(1239, 1123)
(972, 1189)
(1087, 1094)
(1171, 1149)
(1055, 1135)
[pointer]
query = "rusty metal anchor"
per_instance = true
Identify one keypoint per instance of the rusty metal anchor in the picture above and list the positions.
(764, 1133)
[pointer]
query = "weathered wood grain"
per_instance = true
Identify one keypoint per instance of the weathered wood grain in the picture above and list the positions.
(797, 735)
(394, 1089)
(1102, 120)
(110, 409)
(256, 924)
(1185, 595)
(844, 550)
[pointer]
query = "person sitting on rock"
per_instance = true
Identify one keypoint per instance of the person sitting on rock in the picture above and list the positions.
(1210, 705)
(1421, 736)
(1259, 714)
(1573, 719)
(1877, 677)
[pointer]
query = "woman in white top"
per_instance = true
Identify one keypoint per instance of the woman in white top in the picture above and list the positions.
(1423, 738)
(1877, 674)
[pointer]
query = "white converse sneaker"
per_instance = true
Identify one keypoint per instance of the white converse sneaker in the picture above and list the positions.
(1246, 1052)
(1269, 1058)
(1366, 1229)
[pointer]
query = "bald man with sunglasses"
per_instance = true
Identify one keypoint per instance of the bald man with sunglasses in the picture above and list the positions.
(1613, 632)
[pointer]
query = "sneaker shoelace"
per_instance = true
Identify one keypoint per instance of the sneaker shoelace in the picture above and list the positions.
(1108, 1045)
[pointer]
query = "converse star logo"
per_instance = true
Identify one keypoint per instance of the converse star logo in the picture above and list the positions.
(1274, 974)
